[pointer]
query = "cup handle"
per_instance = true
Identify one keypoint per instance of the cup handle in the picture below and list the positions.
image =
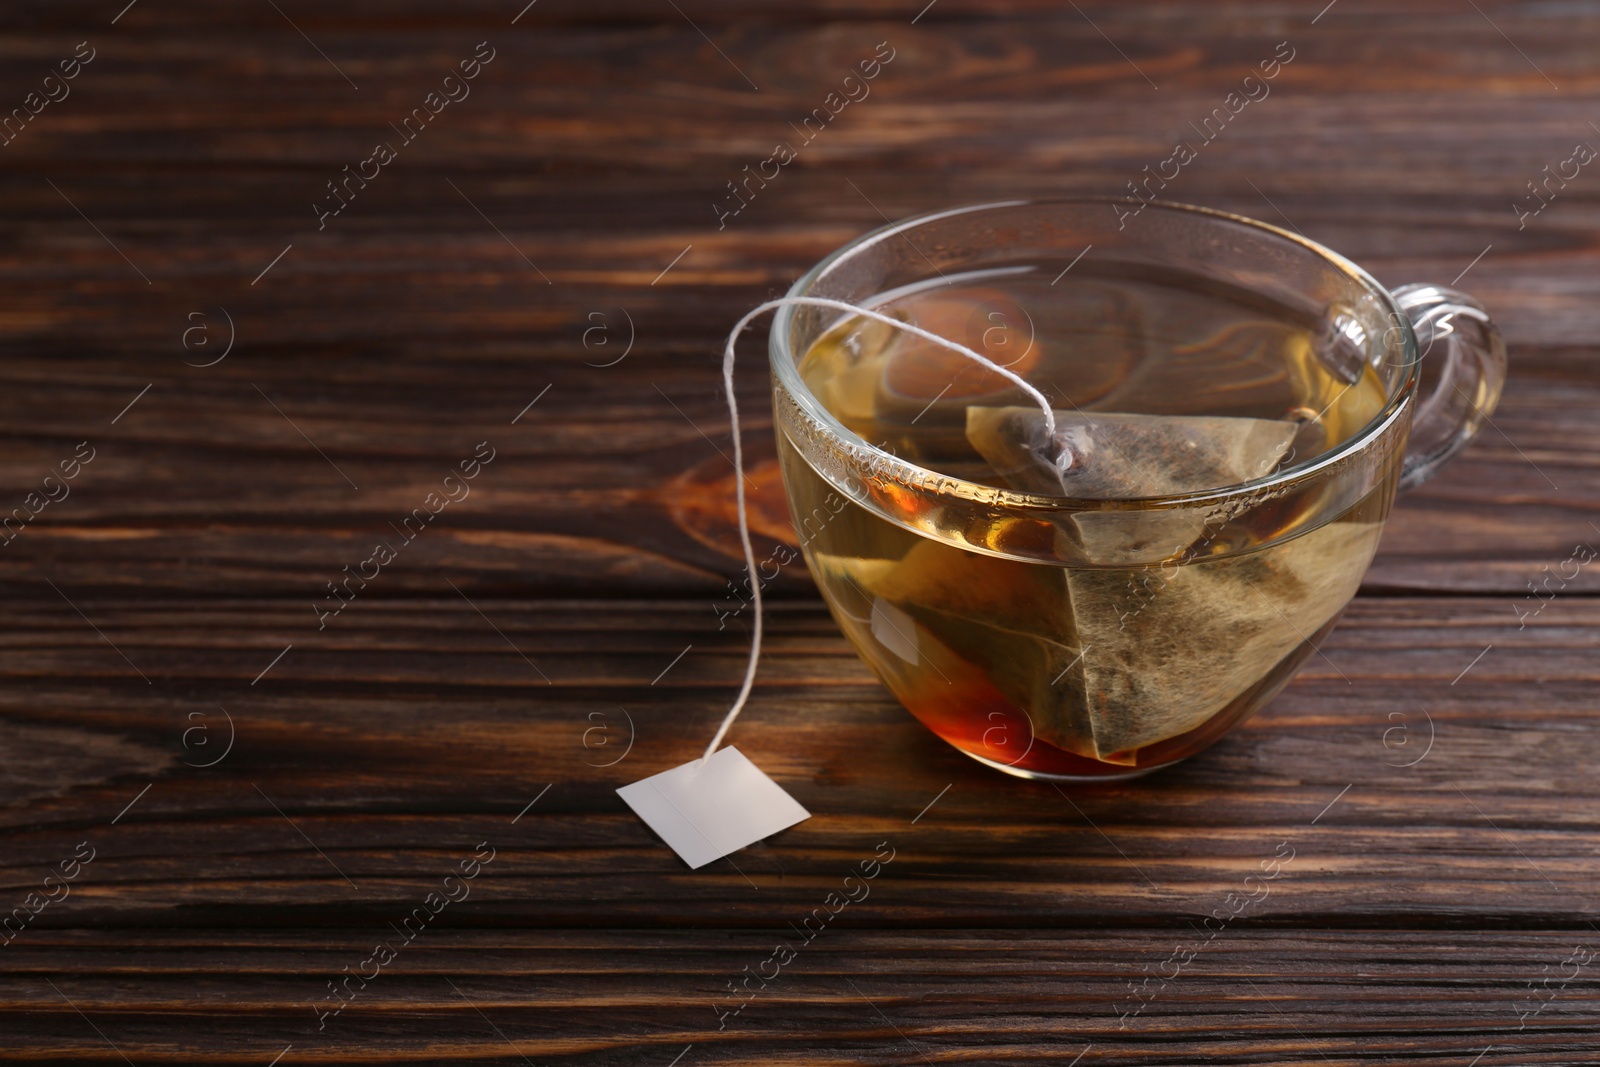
(1452, 325)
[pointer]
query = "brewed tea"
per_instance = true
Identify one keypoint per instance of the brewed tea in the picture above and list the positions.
(1146, 631)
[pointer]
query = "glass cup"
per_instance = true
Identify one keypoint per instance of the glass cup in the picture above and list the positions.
(1235, 409)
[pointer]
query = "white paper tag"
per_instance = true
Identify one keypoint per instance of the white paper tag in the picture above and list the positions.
(705, 812)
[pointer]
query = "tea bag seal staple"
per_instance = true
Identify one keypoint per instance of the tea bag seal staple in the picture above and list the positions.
(705, 810)
(722, 802)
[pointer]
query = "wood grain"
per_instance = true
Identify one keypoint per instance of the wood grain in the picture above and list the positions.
(392, 759)
(851, 996)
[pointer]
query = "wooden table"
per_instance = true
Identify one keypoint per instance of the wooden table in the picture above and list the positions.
(267, 790)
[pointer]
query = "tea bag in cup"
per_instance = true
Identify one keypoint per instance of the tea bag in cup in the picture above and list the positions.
(1163, 648)
(1166, 648)
(1110, 456)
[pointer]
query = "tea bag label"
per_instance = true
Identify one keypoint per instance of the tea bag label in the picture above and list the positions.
(707, 810)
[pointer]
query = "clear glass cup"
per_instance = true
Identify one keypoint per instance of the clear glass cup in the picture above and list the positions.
(1117, 631)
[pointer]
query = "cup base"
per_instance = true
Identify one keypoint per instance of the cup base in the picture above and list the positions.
(1042, 776)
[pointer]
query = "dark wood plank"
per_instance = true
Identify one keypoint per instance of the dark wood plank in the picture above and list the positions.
(402, 736)
(409, 329)
(204, 488)
(849, 996)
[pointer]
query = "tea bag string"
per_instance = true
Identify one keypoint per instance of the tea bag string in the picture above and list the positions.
(738, 454)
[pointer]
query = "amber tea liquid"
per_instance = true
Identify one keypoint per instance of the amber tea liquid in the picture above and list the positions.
(1084, 667)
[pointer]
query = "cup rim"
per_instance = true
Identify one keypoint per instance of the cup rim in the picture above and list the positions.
(785, 369)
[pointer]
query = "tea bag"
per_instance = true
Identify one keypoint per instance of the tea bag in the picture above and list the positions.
(1107, 660)
(1109, 456)
(1167, 648)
